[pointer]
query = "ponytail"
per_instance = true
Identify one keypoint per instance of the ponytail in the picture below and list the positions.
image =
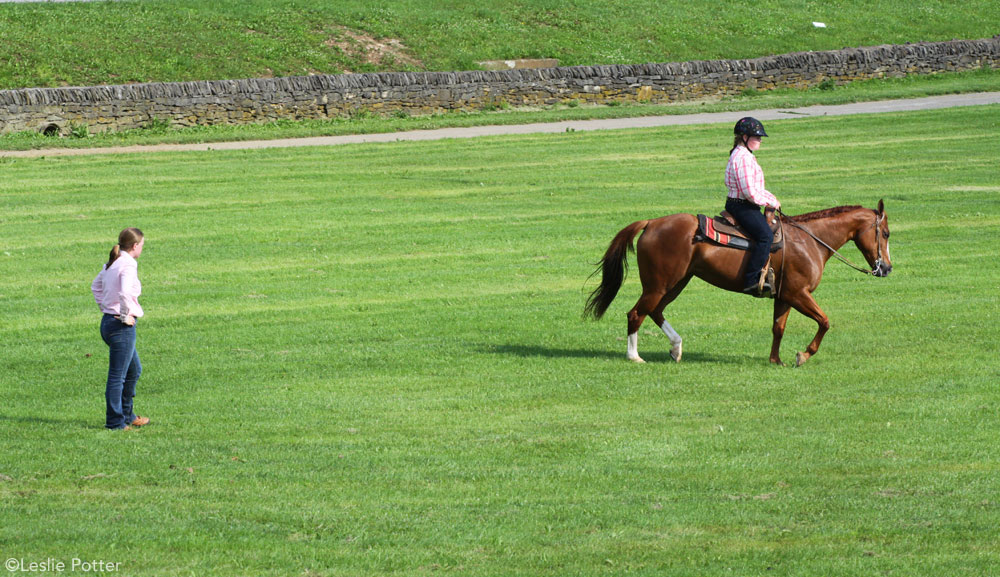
(126, 240)
(116, 252)
(737, 141)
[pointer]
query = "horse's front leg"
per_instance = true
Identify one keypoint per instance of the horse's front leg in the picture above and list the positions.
(781, 310)
(806, 304)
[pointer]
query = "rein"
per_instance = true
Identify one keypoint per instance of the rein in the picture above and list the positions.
(841, 258)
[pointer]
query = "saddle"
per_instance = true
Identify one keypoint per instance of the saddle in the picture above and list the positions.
(723, 230)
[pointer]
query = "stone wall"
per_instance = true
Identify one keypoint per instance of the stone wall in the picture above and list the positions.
(102, 108)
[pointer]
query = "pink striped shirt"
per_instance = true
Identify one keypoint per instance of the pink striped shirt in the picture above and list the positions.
(117, 288)
(745, 179)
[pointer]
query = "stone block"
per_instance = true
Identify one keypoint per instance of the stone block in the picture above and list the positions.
(518, 64)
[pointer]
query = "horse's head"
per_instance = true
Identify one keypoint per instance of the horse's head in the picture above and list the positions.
(873, 242)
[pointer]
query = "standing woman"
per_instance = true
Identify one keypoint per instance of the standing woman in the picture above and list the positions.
(746, 195)
(116, 290)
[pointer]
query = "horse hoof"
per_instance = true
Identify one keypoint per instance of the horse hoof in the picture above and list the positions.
(801, 358)
(675, 353)
(777, 362)
(637, 360)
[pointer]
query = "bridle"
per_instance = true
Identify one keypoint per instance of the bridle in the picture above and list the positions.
(877, 225)
(878, 243)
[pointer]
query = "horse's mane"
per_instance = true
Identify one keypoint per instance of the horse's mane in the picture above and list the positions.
(825, 213)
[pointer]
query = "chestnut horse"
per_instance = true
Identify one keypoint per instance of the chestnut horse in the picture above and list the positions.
(668, 257)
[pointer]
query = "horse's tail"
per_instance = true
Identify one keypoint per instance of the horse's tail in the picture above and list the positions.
(613, 267)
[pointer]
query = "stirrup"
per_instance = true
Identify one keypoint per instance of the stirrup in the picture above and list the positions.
(762, 293)
(765, 286)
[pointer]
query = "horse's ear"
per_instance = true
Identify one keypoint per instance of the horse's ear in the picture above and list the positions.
(881, 206)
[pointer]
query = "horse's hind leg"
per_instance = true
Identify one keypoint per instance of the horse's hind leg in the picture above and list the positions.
(664, 255)
(652, 304)
(646, 304)
(657, 316)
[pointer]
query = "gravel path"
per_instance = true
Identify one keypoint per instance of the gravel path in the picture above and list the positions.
(929, 103)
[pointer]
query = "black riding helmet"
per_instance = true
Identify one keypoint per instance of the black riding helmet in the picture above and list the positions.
(749, 126)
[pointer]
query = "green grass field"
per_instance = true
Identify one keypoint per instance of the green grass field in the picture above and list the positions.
(54, 44)
(370, 360)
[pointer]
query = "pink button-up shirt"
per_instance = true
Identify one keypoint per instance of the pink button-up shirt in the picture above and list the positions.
(117, 288)
(745, 179)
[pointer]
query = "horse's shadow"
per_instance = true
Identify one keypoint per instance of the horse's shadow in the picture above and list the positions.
(531, 351)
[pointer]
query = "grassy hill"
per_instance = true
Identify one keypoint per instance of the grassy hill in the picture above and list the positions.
(55, 44)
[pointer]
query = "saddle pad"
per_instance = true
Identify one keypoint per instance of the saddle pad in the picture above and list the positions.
(724, 234)
(707, 233)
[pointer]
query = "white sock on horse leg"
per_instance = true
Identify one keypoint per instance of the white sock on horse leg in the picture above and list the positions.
(671, 333)
(675, 341)
(633, 346)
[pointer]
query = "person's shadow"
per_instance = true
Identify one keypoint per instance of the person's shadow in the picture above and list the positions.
(50, 421)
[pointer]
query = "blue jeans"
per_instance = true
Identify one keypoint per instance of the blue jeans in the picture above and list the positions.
(753, 222)
(123, 371)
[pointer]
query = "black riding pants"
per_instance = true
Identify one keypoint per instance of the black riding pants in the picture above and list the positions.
(755, 224)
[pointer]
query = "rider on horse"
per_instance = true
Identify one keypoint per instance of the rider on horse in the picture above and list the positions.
(745, 182)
